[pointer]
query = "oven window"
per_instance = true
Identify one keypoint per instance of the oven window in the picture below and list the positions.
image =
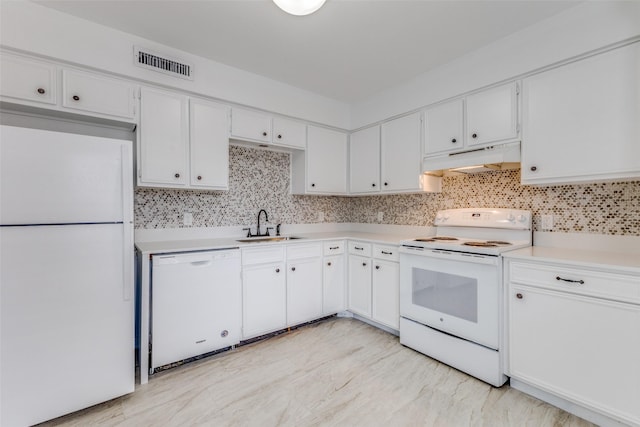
(446, 293)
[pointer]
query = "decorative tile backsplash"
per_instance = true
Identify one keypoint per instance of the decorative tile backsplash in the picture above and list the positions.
(259, 179)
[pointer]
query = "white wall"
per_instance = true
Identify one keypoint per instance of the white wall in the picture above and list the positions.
(586, 27)
(36, 29)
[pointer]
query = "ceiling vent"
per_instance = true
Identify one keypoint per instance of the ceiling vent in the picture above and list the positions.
(147, 59)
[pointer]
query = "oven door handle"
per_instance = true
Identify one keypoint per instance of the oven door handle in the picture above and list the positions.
(450, 255)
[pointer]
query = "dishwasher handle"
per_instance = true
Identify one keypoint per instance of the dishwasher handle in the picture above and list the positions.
(196, 259)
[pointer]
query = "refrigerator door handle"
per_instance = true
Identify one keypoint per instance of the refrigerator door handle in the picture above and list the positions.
(127, 222)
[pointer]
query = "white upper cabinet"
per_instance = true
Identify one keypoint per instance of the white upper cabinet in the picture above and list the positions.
(23, 79)
(163, 139)
(322, 168)
(492, 115)
(401, 154)
(581, 121)
(260, 127)
(43, 84)
(98, 94)
(289, 133)
(480, 119)
(183, 143)
(251, 125)
(364, 161)
(209, 145)
(444, 127)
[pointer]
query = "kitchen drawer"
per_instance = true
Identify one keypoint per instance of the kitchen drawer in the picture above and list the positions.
(334, 248)
(262, 255)
(579, 281)
(359, 248)
(304, 250)
(389, 253)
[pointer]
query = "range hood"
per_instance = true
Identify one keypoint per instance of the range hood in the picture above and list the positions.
(475, 160)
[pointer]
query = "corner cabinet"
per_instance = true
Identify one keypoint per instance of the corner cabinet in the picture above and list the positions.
(322, 168)
(183, 143)
(364, 161)
(581, 121)
(586, 325)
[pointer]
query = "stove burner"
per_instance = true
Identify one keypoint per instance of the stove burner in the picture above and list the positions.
(499, 242)
(444, 238)
(425, 240)
(481, 244)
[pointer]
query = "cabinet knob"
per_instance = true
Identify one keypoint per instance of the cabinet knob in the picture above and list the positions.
(329, 264)
(313, 185)
(519, 295)
(224, 333)
(377, 267)
(177, 175)
(386, 184)
(277, 270)
(279, 136)
(41, 91)
(373, 185)
(364, 264)
(75, 98)
(199, 177)
(264, 133)
(534, 168)
(474, 136)
(453, 140)
(293, 269)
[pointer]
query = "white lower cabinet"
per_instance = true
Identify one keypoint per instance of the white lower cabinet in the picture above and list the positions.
(575, 333)
(304, 283)
(374, 283)
(334, 278)
(264, 291)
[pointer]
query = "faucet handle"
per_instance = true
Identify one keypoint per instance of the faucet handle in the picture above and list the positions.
(278, 229)
(248, 230)
(269, 228)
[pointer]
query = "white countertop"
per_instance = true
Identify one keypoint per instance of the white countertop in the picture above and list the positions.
(605, 260)
(156, 247)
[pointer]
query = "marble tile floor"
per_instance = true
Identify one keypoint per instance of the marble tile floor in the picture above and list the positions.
(339, 372)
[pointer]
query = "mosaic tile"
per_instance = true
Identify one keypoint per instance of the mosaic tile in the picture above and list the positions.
(259, 179)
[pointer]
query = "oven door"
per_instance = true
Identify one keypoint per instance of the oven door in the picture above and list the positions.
(453, 292)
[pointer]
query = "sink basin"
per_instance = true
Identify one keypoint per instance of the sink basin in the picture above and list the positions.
(267, 239)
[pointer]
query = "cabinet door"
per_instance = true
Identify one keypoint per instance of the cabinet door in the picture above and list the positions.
(251, 125)
(289, 133)
(209, 145)
(27, 80)
(443, 127)
(164, 138)
(364, 161)
(333, 288)
(264, 299)
(401, 154)
(360, 285)
(386, 293)
(326, 159)
(304, 290)
(98, 94)
(581, 121)
(584, 349)
(492, 115)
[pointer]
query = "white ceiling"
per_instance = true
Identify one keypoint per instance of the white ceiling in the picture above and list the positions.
(348, 50)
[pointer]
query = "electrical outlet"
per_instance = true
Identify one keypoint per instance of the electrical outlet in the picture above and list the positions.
(187, 219)
(380, 216)
(547, 222)
(321, 216)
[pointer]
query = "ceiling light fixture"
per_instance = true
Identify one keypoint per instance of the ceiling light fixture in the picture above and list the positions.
(299, 7)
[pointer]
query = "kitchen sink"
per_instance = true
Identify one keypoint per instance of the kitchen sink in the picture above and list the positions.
(267, 239)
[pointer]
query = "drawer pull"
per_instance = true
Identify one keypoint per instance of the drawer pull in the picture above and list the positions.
(580, 282)
(519, 295)
(387, 253)
(358, 248)
(333, 248)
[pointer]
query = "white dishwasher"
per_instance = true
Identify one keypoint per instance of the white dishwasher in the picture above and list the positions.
(196, 304)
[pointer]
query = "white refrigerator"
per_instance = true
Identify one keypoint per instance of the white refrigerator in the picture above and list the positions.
(66, 273)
